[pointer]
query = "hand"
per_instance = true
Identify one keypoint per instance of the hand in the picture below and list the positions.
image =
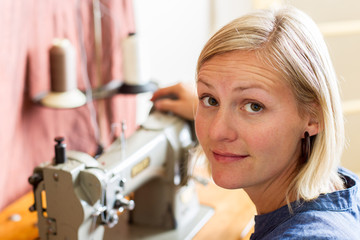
(183, 102)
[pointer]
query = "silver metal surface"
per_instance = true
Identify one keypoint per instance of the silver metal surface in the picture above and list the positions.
(83, 198)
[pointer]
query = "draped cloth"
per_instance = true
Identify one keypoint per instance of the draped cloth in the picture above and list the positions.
(27, 130)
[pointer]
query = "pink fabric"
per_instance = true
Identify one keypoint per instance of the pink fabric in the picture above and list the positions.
(27, 130)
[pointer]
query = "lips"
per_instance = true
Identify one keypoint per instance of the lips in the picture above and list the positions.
(225, 157)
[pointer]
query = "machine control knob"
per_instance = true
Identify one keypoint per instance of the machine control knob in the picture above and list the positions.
(60, 150)
(35, 179)
(123, 203)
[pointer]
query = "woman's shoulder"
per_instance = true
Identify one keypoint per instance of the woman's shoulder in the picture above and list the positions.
(334, 215)
(318, 225)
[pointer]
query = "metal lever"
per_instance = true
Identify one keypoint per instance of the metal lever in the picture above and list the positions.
(123, 139)
(122, 203)
(99, 211)
(34, 180)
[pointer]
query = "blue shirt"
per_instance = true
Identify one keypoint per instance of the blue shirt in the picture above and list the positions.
(334, 215)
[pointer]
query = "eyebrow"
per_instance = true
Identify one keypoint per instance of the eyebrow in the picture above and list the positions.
(240, 88)
(205, 83)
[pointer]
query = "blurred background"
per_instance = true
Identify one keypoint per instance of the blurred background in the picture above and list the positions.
(171, 32)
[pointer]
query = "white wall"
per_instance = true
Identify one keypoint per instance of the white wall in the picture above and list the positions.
(222, 12)
(174, 32)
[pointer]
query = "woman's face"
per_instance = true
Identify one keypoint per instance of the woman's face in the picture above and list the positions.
(247, 122)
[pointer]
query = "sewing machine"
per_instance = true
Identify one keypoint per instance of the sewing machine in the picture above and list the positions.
(79, 197)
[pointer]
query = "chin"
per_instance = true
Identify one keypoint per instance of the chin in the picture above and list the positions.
(227, 176)
(226, 181)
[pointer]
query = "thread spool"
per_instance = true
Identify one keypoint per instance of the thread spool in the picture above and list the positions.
(135, 62)
(64, 92)
(62, 66)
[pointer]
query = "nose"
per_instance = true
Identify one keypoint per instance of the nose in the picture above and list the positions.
(223, 127)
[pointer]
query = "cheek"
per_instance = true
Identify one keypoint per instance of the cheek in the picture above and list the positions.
(276, 142)
(262, 141)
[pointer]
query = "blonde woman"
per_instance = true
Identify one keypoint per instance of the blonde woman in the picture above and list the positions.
(269, 120)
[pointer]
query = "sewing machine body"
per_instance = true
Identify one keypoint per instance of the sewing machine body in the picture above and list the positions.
(82, 198)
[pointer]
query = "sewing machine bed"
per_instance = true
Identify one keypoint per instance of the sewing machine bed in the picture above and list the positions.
(127, 231)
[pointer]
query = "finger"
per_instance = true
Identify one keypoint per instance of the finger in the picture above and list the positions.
(165, 104)
(175, 106)
(172, 90)
(171, 106)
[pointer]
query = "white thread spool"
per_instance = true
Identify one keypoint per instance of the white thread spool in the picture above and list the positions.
(135, 62)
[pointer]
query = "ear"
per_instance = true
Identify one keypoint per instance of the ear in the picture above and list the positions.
(313, 126)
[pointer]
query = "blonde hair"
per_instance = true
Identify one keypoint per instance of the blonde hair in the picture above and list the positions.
(290, 42)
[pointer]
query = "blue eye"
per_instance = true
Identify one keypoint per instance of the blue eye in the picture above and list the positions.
(209, 101)
(253, 107)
